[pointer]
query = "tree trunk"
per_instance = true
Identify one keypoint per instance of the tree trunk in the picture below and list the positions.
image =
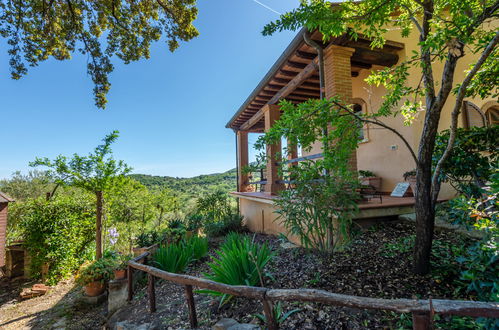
(425, 205)
(98, 226)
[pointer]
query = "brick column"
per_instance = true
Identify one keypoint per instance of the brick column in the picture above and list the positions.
(271, 115)
(242, 160)
(338, 80)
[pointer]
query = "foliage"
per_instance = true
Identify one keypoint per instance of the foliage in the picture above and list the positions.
(198, 245)
(366, 174)
(409, 174)
(146, 239)
(191, 187)
(58, 232)
(239, 261)
(95, 173)
(173, 257)
(323, 200)
(473, 159)
(279, 315)
(98, 270)
(214, 206)
(121, 261)
(130, 212)
(195, 222)
(101, 30)
(230, 223)
(22, 187)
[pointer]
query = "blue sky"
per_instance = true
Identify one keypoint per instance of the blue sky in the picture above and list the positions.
(171, 110)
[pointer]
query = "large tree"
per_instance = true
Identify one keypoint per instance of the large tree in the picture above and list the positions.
(447, 30)
(39, 29)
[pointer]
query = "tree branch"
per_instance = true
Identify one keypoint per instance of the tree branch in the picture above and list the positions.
(457, 109)
(381, 124)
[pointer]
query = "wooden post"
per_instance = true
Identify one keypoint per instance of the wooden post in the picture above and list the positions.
(272, 114)
(192, 306)
(421, 321)
(151, 292)
(242, 160)
(130, 283)
(268, 311)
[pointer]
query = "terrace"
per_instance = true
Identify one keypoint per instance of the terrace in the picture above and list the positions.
(295, 78)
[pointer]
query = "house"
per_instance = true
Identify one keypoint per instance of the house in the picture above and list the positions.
(347, 62)
(4, 204)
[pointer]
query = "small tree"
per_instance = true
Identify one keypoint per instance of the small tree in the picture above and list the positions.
(94, 173)
(323, 202)
(446, 29)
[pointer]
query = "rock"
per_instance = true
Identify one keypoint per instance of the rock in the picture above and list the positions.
(442, 224)
(93, 300)
(124, 325)
(225, 324)
(231, 324)
(59, 324)
(288, 245)
(244, 326)
(118, 295)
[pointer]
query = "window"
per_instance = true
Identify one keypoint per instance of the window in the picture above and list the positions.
(492, 115)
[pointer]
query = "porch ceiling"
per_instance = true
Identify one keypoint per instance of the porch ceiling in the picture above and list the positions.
(298, 57)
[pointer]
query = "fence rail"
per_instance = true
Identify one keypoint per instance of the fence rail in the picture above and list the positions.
(422, 310)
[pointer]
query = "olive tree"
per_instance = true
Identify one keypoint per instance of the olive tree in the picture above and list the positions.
(446, 30)
(95, 173)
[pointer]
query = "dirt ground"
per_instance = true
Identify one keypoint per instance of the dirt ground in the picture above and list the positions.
(60, 308)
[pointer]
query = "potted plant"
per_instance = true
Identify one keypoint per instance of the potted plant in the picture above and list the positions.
(120, 266)
(93, 276)
(368, 178)
(410, 176)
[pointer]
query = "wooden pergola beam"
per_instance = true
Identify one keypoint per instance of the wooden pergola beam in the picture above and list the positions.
(308, 71)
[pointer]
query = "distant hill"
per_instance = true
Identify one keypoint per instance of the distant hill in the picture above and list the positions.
(194, 186)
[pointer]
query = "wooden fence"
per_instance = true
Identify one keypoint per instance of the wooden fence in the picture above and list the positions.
(422, 310)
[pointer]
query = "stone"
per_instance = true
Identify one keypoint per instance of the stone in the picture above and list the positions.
(244, 326)
(124, 325)
(288, 245)
(118, 295)
(224, 324)
(93, 300)
(60, 324)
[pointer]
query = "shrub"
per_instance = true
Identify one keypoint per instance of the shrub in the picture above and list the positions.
(198, 246)
(173, 257)
(214, 206)
(58, 232)
(239, 262)
(229, 223)
(99, 270)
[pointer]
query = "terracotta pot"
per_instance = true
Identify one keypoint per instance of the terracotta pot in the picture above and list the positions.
(94, 289)
(119, 274)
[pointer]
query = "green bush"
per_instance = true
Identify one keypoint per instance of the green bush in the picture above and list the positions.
(229, 223)
(174, 257)
(58, 232)
(198, 246)
(239, 262)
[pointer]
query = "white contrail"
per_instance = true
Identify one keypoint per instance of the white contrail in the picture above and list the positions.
(265, 6)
